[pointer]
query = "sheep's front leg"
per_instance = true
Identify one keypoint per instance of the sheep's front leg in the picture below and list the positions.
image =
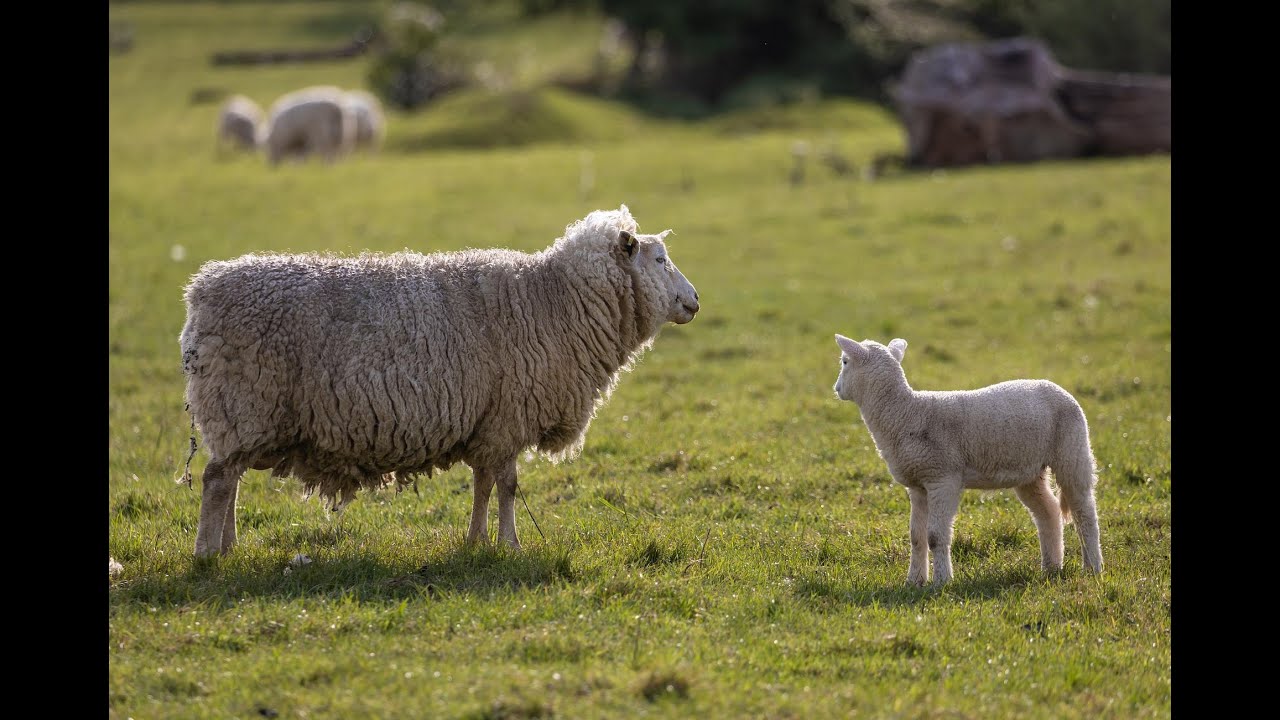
(481, 487)
(944, 503)
(219, 485)
(918, 573)
(229, 521)
(507, 505)
(1044, 510)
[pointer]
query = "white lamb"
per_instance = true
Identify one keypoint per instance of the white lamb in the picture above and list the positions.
(312, 121)
(238, 123)
(356, 372)
(371, 124)
(937, 443)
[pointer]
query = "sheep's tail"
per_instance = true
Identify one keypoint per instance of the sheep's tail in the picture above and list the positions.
(1066, 509)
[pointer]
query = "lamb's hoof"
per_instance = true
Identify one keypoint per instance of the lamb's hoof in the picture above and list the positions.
(917, 582)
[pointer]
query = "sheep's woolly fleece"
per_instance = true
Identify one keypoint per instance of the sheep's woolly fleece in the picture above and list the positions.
(352, 372)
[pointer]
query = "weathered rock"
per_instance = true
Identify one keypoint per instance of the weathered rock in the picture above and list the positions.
(1010, 101)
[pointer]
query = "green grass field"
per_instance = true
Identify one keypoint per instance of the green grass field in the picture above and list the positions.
(728, 544)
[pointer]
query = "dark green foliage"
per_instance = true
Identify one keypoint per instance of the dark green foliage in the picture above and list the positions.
(1110, 35)
(694, 58)
(408, 69)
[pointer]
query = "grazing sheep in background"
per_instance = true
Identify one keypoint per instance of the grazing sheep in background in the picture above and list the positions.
(312, 121)
(1008, 435)
(371, 123)
(238, 123)
(355, 372)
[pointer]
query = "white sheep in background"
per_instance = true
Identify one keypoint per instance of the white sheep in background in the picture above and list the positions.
(316, 120)
(1008, 435)
(238, 123)
(371, 123)
(355, 372)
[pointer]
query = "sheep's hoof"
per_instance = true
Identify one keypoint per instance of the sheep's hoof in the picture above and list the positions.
(205, 561)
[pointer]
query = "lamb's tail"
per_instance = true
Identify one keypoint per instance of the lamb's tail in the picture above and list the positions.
(1066, 509)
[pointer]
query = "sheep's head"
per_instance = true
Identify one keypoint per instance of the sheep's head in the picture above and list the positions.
(866, 364)
(672, 298)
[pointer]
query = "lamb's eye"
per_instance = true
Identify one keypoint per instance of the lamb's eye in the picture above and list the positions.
(844, 361)
(662, 261)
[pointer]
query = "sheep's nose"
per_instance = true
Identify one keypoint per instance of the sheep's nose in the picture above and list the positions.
(695, 295)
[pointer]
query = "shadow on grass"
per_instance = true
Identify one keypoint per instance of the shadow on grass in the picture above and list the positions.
(821, 591)
(457, 569)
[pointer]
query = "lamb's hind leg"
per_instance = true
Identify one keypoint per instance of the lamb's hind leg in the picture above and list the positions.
(217, 507)
(1078, 496)
(1040, 501)
(507, 505)
(918, 572)
(481, 487)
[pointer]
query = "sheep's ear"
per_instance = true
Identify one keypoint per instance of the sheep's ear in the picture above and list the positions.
(897, 348)
(852, 348)
(628, 242)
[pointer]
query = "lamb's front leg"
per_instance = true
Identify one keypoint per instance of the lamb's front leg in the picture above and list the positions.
(481, 487)
(944, 502)
(918, 572)
(507, 505)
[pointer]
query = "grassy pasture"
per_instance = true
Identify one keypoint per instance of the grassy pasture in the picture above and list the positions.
(728, 544)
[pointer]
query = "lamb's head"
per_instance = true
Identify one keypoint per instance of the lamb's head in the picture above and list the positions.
(868, 364)
(672, 298)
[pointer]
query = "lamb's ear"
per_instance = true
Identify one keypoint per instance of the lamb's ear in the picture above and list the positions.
(852, 348)
(628, 242)
(897, 348)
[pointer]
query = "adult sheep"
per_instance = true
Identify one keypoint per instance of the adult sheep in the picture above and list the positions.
(315, 120)
(356, 372)
(238, 123)
(371, 123)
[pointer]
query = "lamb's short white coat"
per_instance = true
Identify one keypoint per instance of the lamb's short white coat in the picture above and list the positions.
(1014, 434)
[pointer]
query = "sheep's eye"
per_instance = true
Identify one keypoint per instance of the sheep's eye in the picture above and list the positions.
(662, 261)
(844, 361)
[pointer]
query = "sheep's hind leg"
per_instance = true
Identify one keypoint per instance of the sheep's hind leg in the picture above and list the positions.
(944, 503)
(1039, 500)
(918, 572)
(507, 505)
(220, 481)
(481, 487)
